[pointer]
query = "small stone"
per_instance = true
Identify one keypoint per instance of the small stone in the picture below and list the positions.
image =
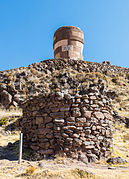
(49, 136)
(59, 94)
(57, 128)
(96, 151)
(67, 96)
(76, 112)
(67, 114)
(87, 114)
(65, 135)
(89, 147)
(117, 160)
(46, 152)
(47, 119)
(54, 109)
(44, 145)
(81, 120)
(95, 106)
(92, 97)
(108, 134)
(69, 127)
(70, 123)
(85, 96)
(103, 149)
(99, 115)
(77, 96)
(104, 101)
(41, 165)
(93, 128)
(69, 139)
(86, 101)
(52, 142)
(44, 114)
(78, 100)
(104, 125)
(49, 125)
(88, 131)
(59, 120)
(87, 124)
(57, 115)
(34, 147)
(75, 105)
(68, 131)
(75, 135)
(77, 142)
(103, 131)
(92, 157)
(43, 140)
(79, 128)
(86, 143)
(70, 119)
(64, 109)
(96, 133)
(100, 103)
(91, 94)
(43, 131)
(82, 157)
(39, 120)
(112, 168)
(98, 127)
(66, 149)
(79, 124)
(108, 116)
(100, 138)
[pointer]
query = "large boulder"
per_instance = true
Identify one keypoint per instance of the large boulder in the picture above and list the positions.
(5, 98)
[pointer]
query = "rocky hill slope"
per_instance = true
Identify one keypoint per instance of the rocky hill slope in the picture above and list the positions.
(67, 75)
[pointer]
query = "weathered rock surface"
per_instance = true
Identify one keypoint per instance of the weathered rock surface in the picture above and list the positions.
(49, 75)
(117, 160)
(56, 124)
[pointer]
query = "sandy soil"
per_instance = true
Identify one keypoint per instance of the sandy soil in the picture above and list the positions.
(59, 167)
(7, 113)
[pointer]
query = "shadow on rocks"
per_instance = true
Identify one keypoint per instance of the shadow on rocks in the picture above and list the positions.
(9, 152)
(117, 160)
(13, 126)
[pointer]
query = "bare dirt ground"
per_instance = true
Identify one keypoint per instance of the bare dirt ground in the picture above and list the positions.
(7, 113)
(60, 167)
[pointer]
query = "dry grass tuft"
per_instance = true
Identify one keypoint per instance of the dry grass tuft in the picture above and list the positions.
(121, 141)
(30, 170)
(10, 112)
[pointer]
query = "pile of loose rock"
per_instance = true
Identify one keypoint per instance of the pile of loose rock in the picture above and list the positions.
(17, 84)
(74, 125)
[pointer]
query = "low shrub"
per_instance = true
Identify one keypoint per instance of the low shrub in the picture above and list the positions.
(3, 121)
(127, 76)
(30, 170)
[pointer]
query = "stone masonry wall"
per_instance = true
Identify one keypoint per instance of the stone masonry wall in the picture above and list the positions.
(68, 43)
(77, 126)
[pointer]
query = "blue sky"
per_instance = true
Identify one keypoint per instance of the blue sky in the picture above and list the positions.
(27, 28)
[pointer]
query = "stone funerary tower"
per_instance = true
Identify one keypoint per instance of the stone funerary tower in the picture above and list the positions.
(73, 124)
(68, 43)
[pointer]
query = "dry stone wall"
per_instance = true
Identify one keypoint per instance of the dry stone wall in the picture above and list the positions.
(78, 126)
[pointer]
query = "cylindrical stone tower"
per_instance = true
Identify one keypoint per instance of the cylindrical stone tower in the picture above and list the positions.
(68, 43)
